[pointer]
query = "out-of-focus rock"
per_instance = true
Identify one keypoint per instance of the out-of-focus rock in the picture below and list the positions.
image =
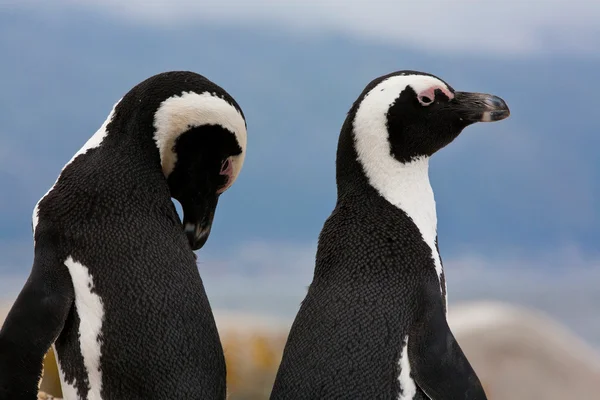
(520, 354)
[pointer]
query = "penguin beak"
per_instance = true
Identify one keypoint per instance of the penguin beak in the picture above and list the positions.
(197, 221)
(479, 107)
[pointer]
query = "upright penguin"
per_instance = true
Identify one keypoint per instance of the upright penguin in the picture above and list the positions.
(373, 323)
(114, 283)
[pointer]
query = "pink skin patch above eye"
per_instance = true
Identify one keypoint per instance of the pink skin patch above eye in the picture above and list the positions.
(226, 170)
(430, 93)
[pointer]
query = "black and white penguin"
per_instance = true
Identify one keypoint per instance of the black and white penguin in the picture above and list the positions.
(114, 285)
(373, 323)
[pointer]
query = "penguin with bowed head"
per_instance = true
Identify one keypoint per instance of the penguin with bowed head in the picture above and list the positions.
(114, 285)
(373, 323)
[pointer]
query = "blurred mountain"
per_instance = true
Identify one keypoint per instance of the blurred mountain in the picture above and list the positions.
(530, 182)
(521, 354)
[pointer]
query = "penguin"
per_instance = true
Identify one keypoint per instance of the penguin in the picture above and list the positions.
(114, 285)
(373, 322)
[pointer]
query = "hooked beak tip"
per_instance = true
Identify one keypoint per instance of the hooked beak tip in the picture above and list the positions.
(197, 235)
(497, 109)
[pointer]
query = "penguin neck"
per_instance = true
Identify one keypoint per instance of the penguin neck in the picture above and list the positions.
(406, 186)
(121, 166)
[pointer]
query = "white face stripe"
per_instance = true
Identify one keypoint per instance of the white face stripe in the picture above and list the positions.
(91, 315)
(178, 113)
(93, 142)
(407, 384)
(405, 185)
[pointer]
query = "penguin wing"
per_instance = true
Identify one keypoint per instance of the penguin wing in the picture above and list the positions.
(33, 323)
(437, 362)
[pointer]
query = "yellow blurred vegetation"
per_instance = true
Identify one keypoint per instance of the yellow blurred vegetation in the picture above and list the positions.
(252, 362)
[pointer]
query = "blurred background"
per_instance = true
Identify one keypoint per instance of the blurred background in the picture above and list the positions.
(518, 201)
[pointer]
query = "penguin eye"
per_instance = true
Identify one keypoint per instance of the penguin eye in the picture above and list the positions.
(425, 100)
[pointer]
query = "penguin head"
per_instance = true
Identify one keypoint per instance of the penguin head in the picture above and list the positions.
(415, 114)
(200, 133)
